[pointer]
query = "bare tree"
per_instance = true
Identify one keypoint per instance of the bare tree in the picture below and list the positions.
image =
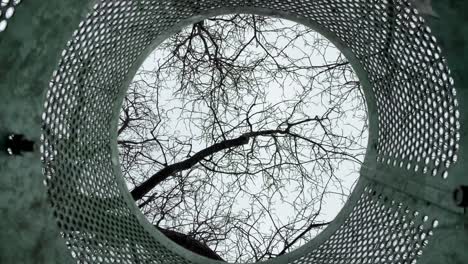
(235, 124)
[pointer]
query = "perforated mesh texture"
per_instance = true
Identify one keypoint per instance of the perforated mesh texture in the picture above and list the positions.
(7, 10)
(378, 230)
(411, 85)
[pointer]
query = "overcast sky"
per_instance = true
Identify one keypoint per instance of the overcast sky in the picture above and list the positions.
(348, 172)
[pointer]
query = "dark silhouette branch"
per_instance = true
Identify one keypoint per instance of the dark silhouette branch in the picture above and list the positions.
(310, 227)
(190, 243)
(215, 86)
(145, 187)
(167, 171)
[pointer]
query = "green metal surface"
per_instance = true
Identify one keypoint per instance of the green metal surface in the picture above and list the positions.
(68, 203)
(30, 47)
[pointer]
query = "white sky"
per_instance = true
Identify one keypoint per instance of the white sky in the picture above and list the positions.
(350, 124)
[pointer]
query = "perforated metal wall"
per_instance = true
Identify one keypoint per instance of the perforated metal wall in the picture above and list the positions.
(379, 229)
(7, 10)
(414, 121)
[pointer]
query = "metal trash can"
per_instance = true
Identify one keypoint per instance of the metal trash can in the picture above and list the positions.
(64, 69)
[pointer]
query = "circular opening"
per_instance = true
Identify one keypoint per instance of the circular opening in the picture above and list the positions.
(412, 106)
(241, 136)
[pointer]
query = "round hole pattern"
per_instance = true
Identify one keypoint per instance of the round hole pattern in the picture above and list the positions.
(378, 230)
(415, 94)
(410, 84)
(7, 10)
